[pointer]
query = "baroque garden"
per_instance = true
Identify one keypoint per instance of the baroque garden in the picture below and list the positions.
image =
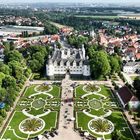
(96, 112)
(36, 112)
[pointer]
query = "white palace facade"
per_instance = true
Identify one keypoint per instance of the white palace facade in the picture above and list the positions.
(69, 60)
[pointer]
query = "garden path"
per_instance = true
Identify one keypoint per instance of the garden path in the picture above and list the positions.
(66, 128)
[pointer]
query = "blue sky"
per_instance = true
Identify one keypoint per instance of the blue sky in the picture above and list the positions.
(97, 1)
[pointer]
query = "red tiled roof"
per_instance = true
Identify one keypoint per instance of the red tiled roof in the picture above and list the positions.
(55, 37)
(125, 94)
(138, 55)
(131, 49)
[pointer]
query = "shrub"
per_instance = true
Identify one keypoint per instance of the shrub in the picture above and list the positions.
(3, 113)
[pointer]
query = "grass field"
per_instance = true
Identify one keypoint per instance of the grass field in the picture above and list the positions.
(97, 17)
(109, 104)
(13, 131)
(60, 25)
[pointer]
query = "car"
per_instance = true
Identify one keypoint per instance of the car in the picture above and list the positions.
(51, 134)
(55, 132)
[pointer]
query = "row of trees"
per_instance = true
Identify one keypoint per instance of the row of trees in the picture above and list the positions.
(13, 73)
(15, 69)
(101, 63)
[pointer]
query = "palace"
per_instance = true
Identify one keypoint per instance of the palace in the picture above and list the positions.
(69, 60)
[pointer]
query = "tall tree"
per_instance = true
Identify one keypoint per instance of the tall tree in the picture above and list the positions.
(136, 85)
(114, 63)
(99, 64)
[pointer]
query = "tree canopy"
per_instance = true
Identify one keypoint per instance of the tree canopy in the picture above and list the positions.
(99, 64)
(136, 85)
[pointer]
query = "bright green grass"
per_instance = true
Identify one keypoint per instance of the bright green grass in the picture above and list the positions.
(83, 122)
(16, 120)
(116, 117)
(18, 117)
(55, 92)
(29, 91)
(79, 91)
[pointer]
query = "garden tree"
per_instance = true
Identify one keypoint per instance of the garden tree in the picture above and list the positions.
(2, 94)
(10, 96)
(4, 68)
(101, 125)
(82, 40)
(32, 124)
(114, 63)
(17, 69)
(50, 29)
(58, 45)
(92, 50)
(34, 65)
(99, 64)
(33, 49)
(27, 72)
(3, 113)
(9, 46)
(14, 55)
(8, 82)
(2, 76)
(136, 85)
(1, 120)
(38, 56)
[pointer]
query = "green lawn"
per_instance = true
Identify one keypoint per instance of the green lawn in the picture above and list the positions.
(12, 131)
(110, 103)
(43, 88)
(97, 17)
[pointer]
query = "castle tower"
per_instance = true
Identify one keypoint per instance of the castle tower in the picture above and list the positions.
(86, 68)
(50, 68)
(68, 53)
(83, 51)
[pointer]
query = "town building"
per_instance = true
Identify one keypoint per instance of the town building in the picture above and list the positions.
(1, 52)
(68, 60)
(131, 67)
(127, 99)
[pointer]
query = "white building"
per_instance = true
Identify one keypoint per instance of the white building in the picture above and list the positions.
(131, 67)
(1, 52)
(68, 60)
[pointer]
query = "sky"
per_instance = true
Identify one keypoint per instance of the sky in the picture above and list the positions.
(73, 1)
